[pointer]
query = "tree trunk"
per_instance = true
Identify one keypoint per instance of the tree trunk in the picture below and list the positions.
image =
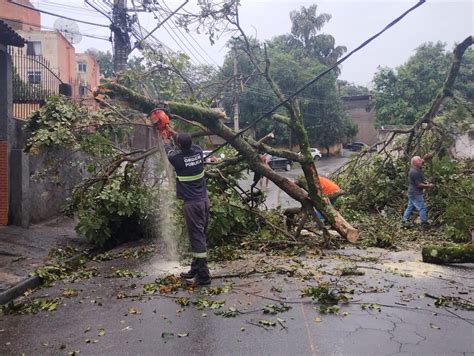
(441, 254)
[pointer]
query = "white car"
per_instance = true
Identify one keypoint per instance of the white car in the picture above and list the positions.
(315, 153)
(211, 158)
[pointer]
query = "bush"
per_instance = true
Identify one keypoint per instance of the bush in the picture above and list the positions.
(111, 211)
(228, 215)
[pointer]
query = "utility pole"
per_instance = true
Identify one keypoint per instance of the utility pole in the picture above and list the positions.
(236, 95)
(120, 29)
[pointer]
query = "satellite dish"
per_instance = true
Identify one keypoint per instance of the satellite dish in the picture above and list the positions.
(69, 29)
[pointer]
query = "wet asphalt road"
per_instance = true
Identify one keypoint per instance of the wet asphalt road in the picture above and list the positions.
(278, 198)
(389, 312)
(397, 317)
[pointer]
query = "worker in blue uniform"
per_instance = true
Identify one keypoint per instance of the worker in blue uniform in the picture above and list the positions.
(187, 160)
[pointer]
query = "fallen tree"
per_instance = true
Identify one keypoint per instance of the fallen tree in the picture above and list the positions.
(450, 254)
(450, 203)
(247, 148)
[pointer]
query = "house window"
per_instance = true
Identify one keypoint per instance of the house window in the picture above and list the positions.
(81, 67)
(33, 48)
(82, 90)
(34, 77)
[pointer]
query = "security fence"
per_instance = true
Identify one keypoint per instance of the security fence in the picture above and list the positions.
(33, 82)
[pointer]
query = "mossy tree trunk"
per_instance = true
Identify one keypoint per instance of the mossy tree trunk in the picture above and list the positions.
(451, 254)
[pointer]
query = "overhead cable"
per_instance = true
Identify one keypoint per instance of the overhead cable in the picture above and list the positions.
(52, 28)
(320, 75)
(177, 38)
(197, 43)
(162, 22)
(56, 15)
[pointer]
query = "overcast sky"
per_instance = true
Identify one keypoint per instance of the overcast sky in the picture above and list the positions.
(353, 21)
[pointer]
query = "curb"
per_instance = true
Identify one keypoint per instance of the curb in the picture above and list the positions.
(31, 282)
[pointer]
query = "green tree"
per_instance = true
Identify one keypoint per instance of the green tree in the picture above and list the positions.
(105, 61)
(321, 107)
(305, 28)
(403, 94)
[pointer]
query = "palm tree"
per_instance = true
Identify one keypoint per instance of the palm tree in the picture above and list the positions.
(304, 30)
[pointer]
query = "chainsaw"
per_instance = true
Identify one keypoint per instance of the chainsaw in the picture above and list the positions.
(160, 121)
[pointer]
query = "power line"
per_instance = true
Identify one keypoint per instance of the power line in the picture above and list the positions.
(52, 28)
(188, 52)
(320, 75)
(98, 10)
(166, 19)
(138, 20)
(83, 10)
(56, 15)
(192, 37)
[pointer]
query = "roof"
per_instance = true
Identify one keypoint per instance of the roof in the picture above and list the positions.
(357, 97)
(9, 37)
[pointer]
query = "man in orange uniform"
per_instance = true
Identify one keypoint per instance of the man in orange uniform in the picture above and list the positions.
(331, 190)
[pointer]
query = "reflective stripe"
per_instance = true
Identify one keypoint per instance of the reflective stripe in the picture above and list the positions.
(199, 254)
(190, 178)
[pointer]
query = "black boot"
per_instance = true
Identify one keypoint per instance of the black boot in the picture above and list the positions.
(192, 272)
(203, 277)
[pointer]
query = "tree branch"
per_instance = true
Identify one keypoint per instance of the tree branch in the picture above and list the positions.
(444, 92)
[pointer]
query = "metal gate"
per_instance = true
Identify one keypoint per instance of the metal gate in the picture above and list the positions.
(33, 82)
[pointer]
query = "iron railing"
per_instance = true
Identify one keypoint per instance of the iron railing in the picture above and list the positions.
(33, 78)
(33, 82)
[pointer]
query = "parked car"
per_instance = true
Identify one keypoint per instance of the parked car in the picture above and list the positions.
(315, 153)
(211, 158)
(279, 163)
(357, 146)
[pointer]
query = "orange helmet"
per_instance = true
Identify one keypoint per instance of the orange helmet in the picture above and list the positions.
(159, 119)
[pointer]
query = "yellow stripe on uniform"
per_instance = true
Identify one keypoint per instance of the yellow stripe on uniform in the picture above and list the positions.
(190, 178)
(199, 254)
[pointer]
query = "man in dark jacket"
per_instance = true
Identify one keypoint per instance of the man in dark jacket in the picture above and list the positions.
(187, 160)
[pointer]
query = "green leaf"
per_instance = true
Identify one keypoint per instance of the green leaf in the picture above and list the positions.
(167, 335)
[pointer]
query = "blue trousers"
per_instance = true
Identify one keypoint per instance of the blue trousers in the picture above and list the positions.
(319, 215)
(415, 202)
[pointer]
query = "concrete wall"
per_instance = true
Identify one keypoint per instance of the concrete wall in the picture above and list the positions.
(358, 108)
(5, 113)
(33, 200)
(26, 19)
(464, 146)
(66, 55)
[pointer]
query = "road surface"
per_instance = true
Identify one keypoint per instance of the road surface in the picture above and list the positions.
(278, 198)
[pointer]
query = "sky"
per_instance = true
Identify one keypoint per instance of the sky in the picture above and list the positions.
(352, 22)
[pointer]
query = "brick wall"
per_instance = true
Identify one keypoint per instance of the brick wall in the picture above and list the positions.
(3, 182)
(21, 18)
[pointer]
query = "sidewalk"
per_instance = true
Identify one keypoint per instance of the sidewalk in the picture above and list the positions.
(22, 250)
